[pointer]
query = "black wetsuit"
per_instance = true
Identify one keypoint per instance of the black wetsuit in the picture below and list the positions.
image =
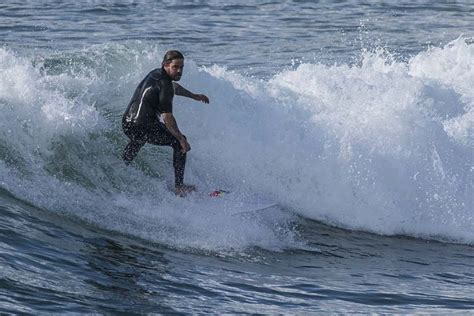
(153, 96)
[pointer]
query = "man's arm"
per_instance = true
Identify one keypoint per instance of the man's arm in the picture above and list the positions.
(172, 126)
(180, 90)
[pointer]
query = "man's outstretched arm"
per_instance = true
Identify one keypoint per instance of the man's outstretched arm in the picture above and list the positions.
(180, 90)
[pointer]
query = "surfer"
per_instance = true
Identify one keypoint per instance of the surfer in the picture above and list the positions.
(152, 100)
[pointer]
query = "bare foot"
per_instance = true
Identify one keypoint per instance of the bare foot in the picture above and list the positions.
(184, 189)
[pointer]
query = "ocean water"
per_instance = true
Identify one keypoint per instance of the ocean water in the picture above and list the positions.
(355, 117)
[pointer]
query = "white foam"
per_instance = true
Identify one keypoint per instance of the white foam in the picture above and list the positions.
(384, 146)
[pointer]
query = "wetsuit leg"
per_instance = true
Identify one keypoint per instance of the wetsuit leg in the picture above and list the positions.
(179, 163)
(137, 140)
(131, 151)
(162, 137)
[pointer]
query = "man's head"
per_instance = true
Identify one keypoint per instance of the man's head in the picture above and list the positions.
(173, 63)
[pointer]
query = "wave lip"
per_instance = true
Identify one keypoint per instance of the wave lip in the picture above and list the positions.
(382, 146)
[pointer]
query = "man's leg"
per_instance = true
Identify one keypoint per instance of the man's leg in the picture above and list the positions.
(162, 137)
(179, 163)
(137, 140)
(131, 150)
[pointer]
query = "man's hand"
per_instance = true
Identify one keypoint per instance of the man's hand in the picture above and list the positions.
(185, 147)
(201, 97)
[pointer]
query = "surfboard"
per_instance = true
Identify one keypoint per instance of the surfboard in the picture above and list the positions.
(218, 193)
(234, 204)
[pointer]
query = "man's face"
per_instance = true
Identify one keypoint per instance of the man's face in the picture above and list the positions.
(175, 69)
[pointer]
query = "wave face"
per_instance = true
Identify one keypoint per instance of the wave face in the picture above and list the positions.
(383, 146)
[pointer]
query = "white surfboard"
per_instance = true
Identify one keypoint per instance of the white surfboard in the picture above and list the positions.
(232, 203)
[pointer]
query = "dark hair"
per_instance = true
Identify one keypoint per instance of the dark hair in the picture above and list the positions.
(170, 56)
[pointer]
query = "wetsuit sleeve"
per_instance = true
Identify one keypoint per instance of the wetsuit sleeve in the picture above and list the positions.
(166, 97)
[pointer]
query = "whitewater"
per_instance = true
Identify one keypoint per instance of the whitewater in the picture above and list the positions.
(381, 146)
(354, 120)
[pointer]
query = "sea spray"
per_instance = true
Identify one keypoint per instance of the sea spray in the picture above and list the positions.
(379, 146)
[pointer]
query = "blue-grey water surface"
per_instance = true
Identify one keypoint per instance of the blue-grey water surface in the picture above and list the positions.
(77, 234)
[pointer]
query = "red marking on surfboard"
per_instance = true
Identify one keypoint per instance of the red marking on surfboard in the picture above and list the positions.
(218, 193)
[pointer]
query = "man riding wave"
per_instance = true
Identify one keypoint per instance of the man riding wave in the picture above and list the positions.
(152, 100)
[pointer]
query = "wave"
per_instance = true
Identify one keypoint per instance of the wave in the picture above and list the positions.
(384, 146)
